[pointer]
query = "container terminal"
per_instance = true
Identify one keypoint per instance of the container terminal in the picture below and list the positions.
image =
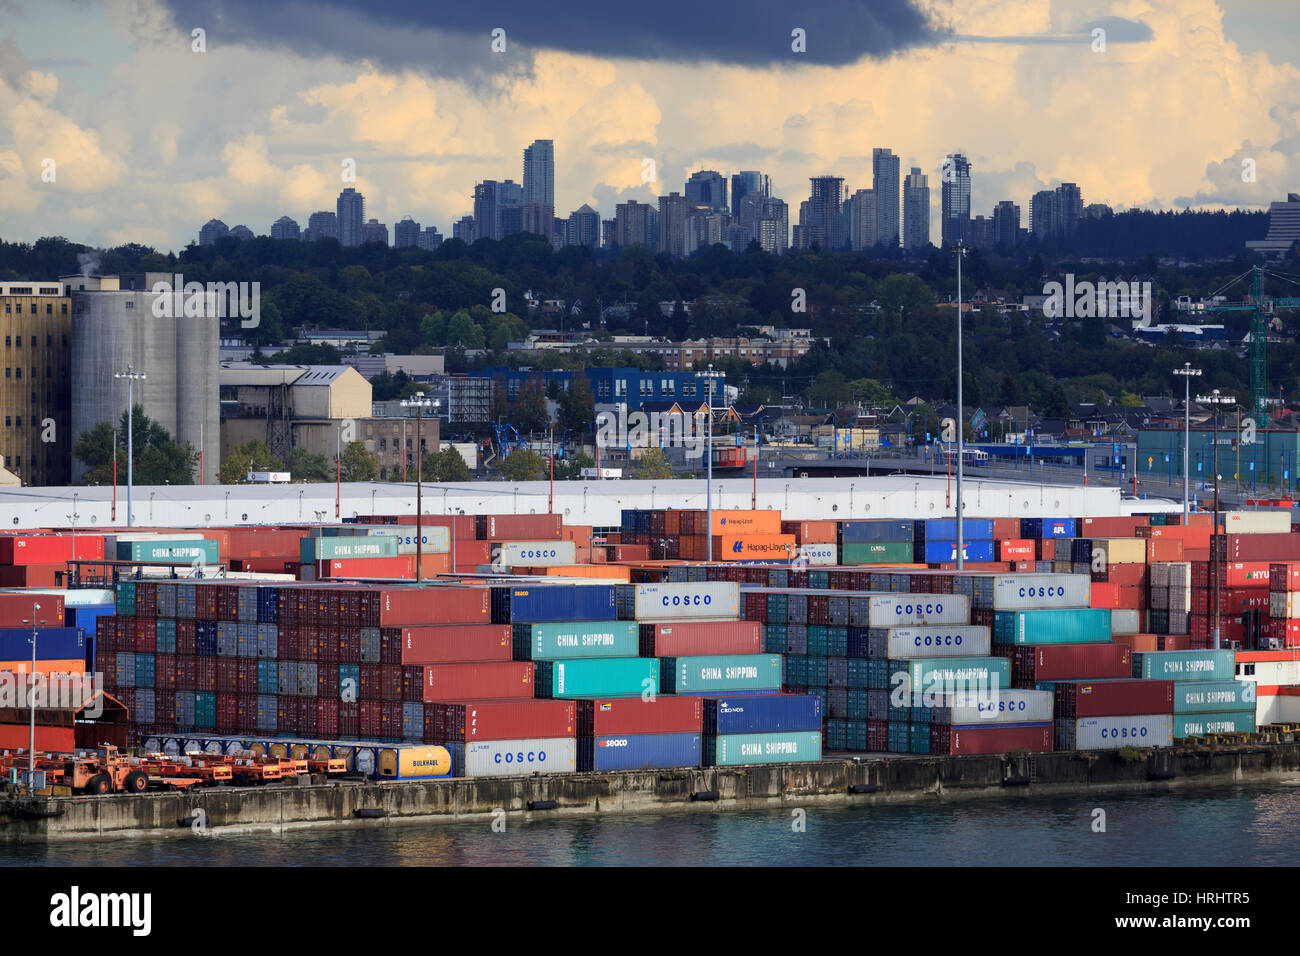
(620, 649)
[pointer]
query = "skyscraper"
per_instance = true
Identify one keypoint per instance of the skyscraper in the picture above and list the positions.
(861, 212)
(212, 230)
(485, 209)
(539, 173)
(773, 232)
(1040, 213)
(916, 210)
(509, 216)
(955, 216)
(430, 239)
(465, 229)
(1068, 209)
(374, 231)
(632, 224)
(884, 183)
(1006, 224)
(322, 225)
(707, 187)
(406, 233)
(748, 182)
(584, 227)
(823, 225)
(673, 210)
(285, 228)
(352, 214)
(537, 217)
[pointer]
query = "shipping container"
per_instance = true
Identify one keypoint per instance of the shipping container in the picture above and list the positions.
(731, 750)
(22, 549)
(912, 610)
(877, 531)
(1000, 738)
(518, 527)
(512, 554)
(169, 551)
(1023, 592)
(639, 752)
(597, 677)
(945, 529)
(329, 549)
(558, 602)
(1268, 521)
(1050, 662)
(519, 719)
(508, 758)
(705, 600)
(701, 637)
(443, 643)
(762, 713)
(414, 762)
(1001, 706)
(721, 673)
(910, 642)
(1213, 696)
(474, 681)
(1198, 725)
(948, 675)
(1114, 698)
(1111, 733)
(942, 551)
(660, 714)
(593, 639)
(1186, 665)
(876, 552)
(52, 643)
(1064, 626)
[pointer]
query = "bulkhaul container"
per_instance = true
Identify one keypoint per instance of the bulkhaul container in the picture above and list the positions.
(720, 673)
(762, 713)
(416, 762)
(958, 639)
(732, 750)
(589, 639)
(912, 610)
(1267, 521)
(1063, 626)
(511, 758)
(1186, 665)
(1198, 725)
(1111, 733)
(639, 752)
(702, 600)
(529, 554)
(1213, 696)
(1027, 592)
(1001, 706)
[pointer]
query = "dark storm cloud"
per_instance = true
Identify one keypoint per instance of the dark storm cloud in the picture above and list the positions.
(450, 38)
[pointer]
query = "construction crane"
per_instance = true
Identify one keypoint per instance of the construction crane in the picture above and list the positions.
(1262, 308)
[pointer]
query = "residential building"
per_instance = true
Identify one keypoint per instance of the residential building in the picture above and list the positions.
(673, 210)
(1006, 224)
(322, 225)
(583, 227)
(1067, 209)
(374, 231)
(508, 208)
(1283, 228)
(537, 217)
(406, 233)
(608, 232)
(429, 239)
(632, 224)
(774, 227)
(352, 216)
(862, 213)
(748, 182)
(212, 230)
(464, 229)
(916, 210)
(539, 175)
(707, 187)
(241, 232)
(955, 213)
(36, 391)
(285, 228)
(1040, 213)
(979, 232)
(823, 226)
(885, 167)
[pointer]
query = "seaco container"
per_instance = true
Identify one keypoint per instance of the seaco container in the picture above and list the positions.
(558, 602)
(1114, 698)
(1213, 696)
(475, 680)
(1065, 626)
(446, 643)
(511, 758)
(1186, 665)
(639, 751)
(414, 762)
(1005, 706)
(907, 642)
(701, 637)
(702, 601)
(1198, 725)
(597, 677)
(504, 719)
(660, 714)
(1111, 733)
(582, 639)
(762, 713)
(720, 673)
(731, 750)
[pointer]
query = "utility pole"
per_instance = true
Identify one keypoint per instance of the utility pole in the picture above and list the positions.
(130, 375)
(712, 376)
(1187, 373)
(961, 249)
(1215, 399)
(31, 701)
(419, 403)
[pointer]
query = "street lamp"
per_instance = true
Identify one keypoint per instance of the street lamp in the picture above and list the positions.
(31, 700)
(130, 375)
(1187, 373)
(73, 518)
(1215, 399)
(961, 249)
(419, 403)
(713, 377)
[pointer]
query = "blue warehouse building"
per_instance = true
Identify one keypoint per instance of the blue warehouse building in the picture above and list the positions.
(629, 386)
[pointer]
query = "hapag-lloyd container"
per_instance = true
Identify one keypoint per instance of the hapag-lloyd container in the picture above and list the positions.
(554, 602)
(701, 637)
(552, 641)
(1001, 706)
(660, 714)
(732, 750)
(510, 758)
(1213, 696)
(506, 719)
(530, 554)
(597, 677)
(762, 713)
(1198, 725)
(1057, 626)
(702, 600)
(1186, 665)
(1113, 698)
(913, 610)
(443, 643)
(956, 639)
(1111, 733)
(639, 751)
(721, 673)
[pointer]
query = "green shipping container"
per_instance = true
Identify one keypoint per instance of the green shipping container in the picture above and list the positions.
(723, 673)
(540, 642)
(1052, 626)
(597, 677)
(876, 552)
(1186, 665)
(125, 597)
(731, 750)
(1198, 725)
(172, 551)
(357, 546)
(949, 675)
(1213, 696)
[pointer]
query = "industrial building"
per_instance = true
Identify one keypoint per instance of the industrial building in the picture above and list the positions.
(35, 441)
(115, 324)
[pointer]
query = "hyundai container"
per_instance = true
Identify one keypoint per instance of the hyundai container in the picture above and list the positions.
(731, 750)
(510, 758)
(639, 751)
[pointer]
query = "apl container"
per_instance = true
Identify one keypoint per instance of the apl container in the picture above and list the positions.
(1198, 725)
(944, 552)
(720, 673)
(1065, 626)
(704, 600)
(639, 752)
(1111, 733)
(509, 758)
(731, 750)
(957, 639)
(1186, 665)
(762, 713)
(581, 639)
(1213, 697)
(597, 677)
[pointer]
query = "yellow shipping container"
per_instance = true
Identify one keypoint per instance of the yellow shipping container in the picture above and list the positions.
(1122, 550)
(414, 762)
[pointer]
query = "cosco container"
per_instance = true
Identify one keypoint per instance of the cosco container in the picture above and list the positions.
(704, 600)
(911, 610)
(562, 602)
(731, 750)
(529, 554)
(597, 677)
(590, 639)
(762, 713)
(1111, 733)
(1001, 706)
(1024, 592)
(509, 758)
(434, 540)
(1213, 696)
(639, 752)
(1198, 725)
(1186, 665)
(956, 639)
(721, 673)
(1065, 626)
(817, 554)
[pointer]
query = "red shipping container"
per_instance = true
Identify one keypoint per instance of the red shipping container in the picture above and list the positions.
(327, 718)
(249, 543)
(349, 640)
(627, 552)
(471, 554)
(390, 719)
(28, 549)
(372, 717)
(505, 719)
(286, 714)
(442, 605)
(227, 713)
(165, 672)
(1005, 529)
(1044, 662)
(306, 707)
(1126, 575)
(812, 532)
(245, 713)
(1047, 549)
(227, 675)
(1020, 549)
(703, 637)
(1246, 574)
(246, 675)
(990, 740)
(402, 566)
(390, 682)
(327, 680)
(184, 637)
(665, 714)
(205, 673)
(1194, 537)
(1111, 527)
(146, 635)
(475, 681)
(1140, 643)
(1119, 698)
(368, 684)
(1284, 576)
(349, 719)
(446, 643)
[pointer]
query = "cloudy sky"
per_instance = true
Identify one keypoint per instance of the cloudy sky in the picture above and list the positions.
(149, 137)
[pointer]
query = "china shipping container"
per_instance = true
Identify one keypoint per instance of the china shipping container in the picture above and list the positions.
(990, 740)
(660, 714)
(1111, 733)
(597, 677)
(721, 673)
(554, 641)
(701, 637)
(1213, 697)
(507, 758)
(1186, 665)
(949, 675)
(731, 750)
(1113, 698)
(639, 752)
(1198, 725)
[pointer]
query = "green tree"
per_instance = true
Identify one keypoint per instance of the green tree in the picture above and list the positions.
(529, 413)
(652, 463)
(304, 466)
(463, 332)
(445, 465)
(571, 468)
(578, 406)
(255, 455)
(159, 459)
(359, 464)
(523, 465)
(829, 389)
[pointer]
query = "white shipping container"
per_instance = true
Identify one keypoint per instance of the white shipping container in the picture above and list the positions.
(1267, 521)
(1284, 604)
(1111, 733)
(696, 600)
(1125, 621)
(954, 641)
(1001, 706)
(510, 758)
(1028, 592)
(818, 554)
(910, 610)
(515, 554)
(435, 540)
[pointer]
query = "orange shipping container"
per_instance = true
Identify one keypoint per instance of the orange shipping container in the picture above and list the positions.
(754, 547)
(1138, 643)
(1247, 574)
(1164, 550)
(747, 523)
(811, 532)
(614, 572)
(578, 533)
(1019, 549)
(73, 666)
(1197, 537)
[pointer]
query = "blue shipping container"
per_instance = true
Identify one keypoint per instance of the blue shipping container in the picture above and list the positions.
(945, 529)
(638, 752)
(88, 616)
(762, 714)
(862, 532)
(52, 644)
(1047, 527)
(945, 551)
(574, 602)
